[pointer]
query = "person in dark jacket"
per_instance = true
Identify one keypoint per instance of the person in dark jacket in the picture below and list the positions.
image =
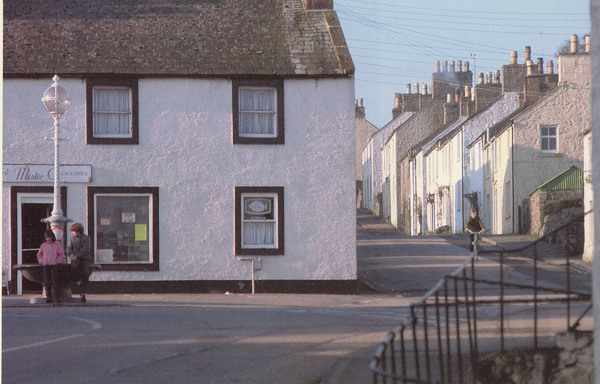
(474, 225)
(79, 251)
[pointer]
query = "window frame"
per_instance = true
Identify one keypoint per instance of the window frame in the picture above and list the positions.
(112, 82)
(242, 191)
(154, 229)
(542, 137)
(277, 84)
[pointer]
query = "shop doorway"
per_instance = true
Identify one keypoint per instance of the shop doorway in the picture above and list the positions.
(29, 205)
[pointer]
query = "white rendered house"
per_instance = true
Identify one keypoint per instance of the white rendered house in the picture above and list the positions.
(189, 154)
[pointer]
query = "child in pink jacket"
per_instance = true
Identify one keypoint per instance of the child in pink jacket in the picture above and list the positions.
(49, 256)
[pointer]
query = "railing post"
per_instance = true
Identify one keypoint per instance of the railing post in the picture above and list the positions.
(415, 341)
(568, 289)
(474, 308)
(458, 344)
(439, 334)
(502, 301)
(426, 335)
(402, 354)
(535, 294)
(448, 347)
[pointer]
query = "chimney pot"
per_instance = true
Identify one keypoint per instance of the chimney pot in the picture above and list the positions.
(360, 103)
(588, 44)
(540, 65)
(529, 67)
(550, 67)
(496, 77)
(513, 57)
(489, 77)
(480, 78)
(527, 53)
(396, 100)
(466, 66)
(444, 66)
(437, 66)
(574, 43)
(417, 88)
(424, 89)
(452, 66)
(408, 88)
(459, 65)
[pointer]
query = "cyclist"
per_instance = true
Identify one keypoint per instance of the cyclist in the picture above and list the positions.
(474, 227)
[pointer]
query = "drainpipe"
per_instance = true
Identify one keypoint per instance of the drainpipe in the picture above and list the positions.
(256, 266)
(512, 172)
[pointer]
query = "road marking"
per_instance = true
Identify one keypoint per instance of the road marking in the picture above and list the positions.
(94, 324)
(41, 343)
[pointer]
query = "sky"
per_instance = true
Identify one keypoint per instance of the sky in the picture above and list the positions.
(396, 42)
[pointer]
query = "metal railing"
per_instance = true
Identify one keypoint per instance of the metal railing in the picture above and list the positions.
(496, 300)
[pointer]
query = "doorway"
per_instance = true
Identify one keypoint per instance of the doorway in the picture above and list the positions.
(29, 205)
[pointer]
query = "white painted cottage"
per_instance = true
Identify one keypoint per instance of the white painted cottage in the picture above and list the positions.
(200, 134)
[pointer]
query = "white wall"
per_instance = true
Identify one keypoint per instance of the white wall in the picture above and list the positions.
(186, 150)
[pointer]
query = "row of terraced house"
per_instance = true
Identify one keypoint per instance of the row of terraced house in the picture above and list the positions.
(451, 146)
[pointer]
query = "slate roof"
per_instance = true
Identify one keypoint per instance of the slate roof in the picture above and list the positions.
(172, 38)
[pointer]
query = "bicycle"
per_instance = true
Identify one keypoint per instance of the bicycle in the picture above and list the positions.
(475, 242)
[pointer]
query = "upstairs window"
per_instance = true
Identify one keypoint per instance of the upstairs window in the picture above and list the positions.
(258, 112)
(549, 138)
(112, 116)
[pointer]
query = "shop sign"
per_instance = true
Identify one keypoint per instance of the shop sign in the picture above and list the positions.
(44, 173)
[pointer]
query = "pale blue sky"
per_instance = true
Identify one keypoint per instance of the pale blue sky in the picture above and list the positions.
(395, 42)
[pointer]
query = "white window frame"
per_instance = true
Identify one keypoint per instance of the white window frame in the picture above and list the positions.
(244, 220)
(547, 137)
(129, 113)
(272, 113)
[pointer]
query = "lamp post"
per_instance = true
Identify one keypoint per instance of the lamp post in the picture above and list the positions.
(57, 102)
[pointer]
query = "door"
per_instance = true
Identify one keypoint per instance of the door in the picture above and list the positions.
(32, 209)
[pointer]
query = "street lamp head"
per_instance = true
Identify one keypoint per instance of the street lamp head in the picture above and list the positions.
(56, 99)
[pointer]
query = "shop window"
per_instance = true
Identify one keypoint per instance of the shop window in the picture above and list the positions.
(112, 111)
(123, 223)
(259, 221)
(258, 112)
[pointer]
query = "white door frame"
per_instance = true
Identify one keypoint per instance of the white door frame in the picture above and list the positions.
(26, 198)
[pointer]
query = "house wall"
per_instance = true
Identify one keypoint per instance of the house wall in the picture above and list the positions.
(475, 179)
(185, 149)
(502, 182)
(569, 109)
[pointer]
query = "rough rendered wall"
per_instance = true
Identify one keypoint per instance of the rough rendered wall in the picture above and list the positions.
(186, 151)
(569, 109)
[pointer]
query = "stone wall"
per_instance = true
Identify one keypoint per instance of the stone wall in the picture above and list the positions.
(570, 362)
(553, 209)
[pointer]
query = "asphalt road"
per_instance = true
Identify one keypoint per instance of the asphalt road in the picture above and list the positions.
(219, 338)
(198, 338)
